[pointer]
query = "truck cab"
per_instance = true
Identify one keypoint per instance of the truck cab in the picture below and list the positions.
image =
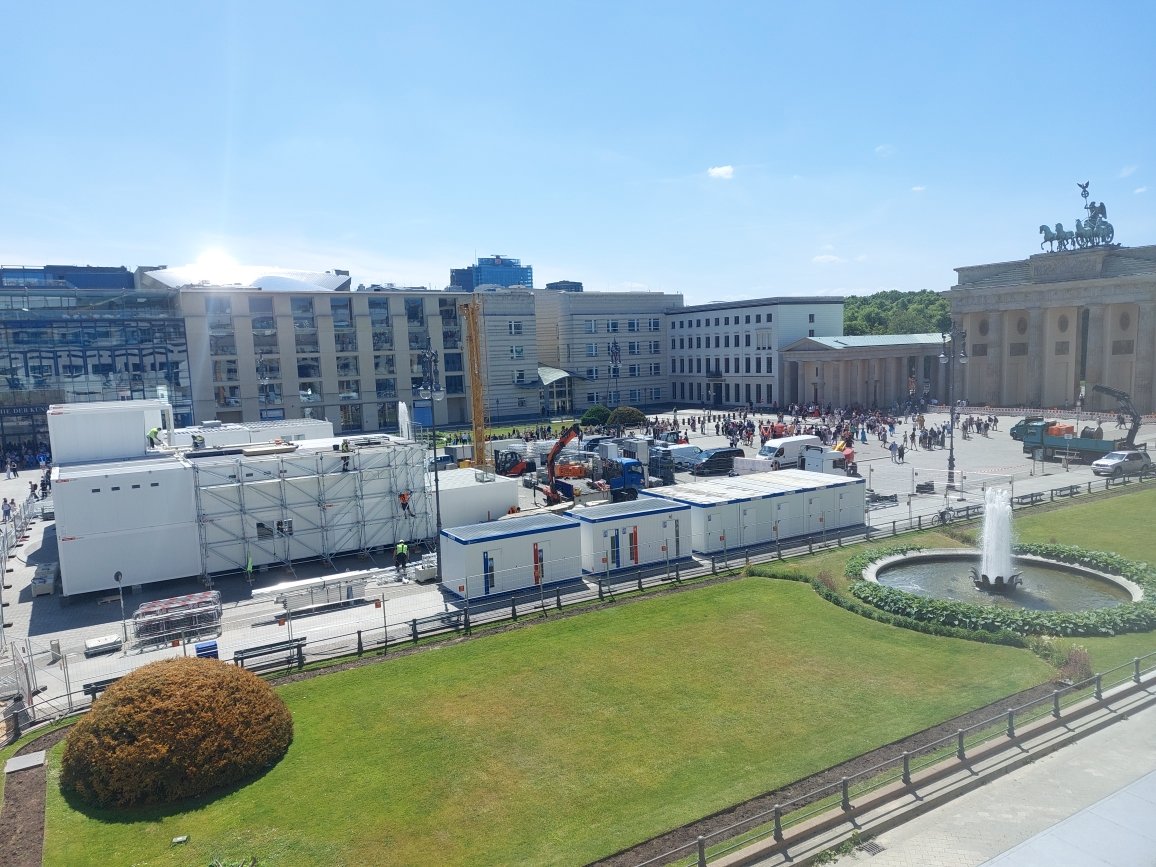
(1020, 428)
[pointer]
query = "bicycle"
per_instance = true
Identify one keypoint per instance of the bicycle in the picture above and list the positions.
(944, 516)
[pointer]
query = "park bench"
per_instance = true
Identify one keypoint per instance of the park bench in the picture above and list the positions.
(92, 690)
(288, 649)
(925, 488)
(1031, 499)
(1067, 491)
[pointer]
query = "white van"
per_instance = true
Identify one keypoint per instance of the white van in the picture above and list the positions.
(785, 452)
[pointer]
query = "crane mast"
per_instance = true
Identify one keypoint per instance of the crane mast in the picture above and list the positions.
(472, 313)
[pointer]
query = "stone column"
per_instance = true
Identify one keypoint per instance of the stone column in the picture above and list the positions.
(1145, 397)
(991, 389)
(1094, 369)
(1036, 356)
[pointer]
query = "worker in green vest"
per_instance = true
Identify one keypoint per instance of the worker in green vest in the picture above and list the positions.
(401, 555)
(154, 436)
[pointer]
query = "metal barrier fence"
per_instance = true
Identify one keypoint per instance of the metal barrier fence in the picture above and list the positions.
(843, 795)
(13, 535)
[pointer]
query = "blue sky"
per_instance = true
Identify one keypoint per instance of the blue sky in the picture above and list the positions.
(855, 146)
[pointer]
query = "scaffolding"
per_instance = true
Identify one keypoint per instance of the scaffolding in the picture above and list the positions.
(253, 512)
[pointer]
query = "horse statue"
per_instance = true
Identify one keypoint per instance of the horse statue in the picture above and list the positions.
(1091, 234)
(1064, 237)
(1049, 237)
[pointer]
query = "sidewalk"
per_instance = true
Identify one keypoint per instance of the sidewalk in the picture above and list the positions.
(1089, 804)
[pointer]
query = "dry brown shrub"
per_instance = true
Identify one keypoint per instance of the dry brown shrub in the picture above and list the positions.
(173, 730)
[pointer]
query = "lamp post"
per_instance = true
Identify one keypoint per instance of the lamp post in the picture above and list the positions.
(431, 390)
(949, 362)
(118, 578)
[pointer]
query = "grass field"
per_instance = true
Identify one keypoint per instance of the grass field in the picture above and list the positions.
(569, 740)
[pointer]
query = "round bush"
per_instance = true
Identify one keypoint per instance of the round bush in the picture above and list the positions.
(173, 730)
(596, 415)
(627, 416)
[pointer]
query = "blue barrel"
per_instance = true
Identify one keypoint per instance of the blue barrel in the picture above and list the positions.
(207, 650)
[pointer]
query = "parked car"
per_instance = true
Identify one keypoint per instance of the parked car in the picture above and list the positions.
(1123, 463)
(716, 462)
(444, 462)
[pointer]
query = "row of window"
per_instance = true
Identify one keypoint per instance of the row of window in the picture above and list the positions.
(762, 341)
(633, 347)
(695, 365)
(726, 393)
(633, 396)
(633, 326)
(615, 370)
(727, 320)
(309, 366)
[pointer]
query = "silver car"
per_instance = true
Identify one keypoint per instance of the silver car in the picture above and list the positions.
(1122, 463)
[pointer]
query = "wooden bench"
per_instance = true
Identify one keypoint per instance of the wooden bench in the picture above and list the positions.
(1029, 499)
(289, 648)
(92, 690)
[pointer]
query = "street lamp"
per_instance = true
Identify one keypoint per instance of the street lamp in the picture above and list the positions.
(118, 577)
(431, 388)
(949, 362)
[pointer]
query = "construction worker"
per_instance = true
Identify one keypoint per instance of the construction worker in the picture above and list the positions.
(403, 498)
(154, 436)
(345, 449)
(401, 555)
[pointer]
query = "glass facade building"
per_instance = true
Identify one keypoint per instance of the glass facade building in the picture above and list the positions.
(492, 271)
(78, 333)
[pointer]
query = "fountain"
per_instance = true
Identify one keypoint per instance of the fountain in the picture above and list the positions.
(1039, 584)
(995, 566)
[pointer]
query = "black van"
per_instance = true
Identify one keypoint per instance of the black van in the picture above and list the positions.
(716, 462)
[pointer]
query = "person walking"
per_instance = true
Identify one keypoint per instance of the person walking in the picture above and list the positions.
(900, 454)
(6, 508)
(894, 449)
(32, 491)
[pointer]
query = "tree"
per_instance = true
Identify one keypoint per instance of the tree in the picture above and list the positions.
(596, 415)
(894, 312)
(627, 416)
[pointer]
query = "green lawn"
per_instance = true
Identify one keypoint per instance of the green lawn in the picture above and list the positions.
(571, 739)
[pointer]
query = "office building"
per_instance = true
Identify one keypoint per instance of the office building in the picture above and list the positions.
(73, 334)
(726, 355)
(492, 272)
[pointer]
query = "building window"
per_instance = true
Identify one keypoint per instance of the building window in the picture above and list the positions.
(632, 395)
(727, 341)
(591, 326)
(747, 342)
(591, 397)
(758, 318)
(758, 364)
(632, 370)
(672, 343)
(769, 359)
(515, 328)
(747, 361)
(221, 304)
(655, 325)
(517, 376)
(810, 317)
(415, 312)
(517, 352)
(747, 320)
(342, 310)
(1017, 350)
(592, 373)
(633, 325)
(633, 348)
(455, 384)
(591, 350)
(810, 332)
(612, 326)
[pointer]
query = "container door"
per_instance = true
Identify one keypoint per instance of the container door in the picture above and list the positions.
(489, 570)
(677, 541)
(748, 526)
(634, 545)
(615, 550)
(539, 563)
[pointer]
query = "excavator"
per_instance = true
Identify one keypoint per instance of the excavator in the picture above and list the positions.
(550, 491)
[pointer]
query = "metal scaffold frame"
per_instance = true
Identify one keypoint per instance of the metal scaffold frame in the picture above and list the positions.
(258, 511)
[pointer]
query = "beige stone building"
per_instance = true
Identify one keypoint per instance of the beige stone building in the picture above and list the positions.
(1042, 330)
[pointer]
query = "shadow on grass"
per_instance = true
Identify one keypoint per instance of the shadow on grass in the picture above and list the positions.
(158, 812)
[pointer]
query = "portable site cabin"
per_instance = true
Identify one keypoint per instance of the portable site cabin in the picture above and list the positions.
(632, 534)
(758, 509)
(105, 430)
(137, 517)
(831, 503)
(465, 500)
(218, 434)
(481, 561)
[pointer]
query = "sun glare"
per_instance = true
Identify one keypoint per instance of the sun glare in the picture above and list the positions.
(216, 265)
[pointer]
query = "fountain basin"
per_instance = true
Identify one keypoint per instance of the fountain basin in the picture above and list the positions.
(1046, 585)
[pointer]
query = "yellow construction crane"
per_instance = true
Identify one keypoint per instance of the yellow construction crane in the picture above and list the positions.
(475, 342)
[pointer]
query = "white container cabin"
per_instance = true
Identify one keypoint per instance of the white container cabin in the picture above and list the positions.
(762, 508)
(105, 430)
(481, 561)
(633, 534)
(220, 435)
(465, 500)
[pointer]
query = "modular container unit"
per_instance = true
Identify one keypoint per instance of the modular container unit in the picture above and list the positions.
(105, 430)
(644, 532)
(221, 435)
(134, 517)
(465, 500)
(481, 561)
(760, 509)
